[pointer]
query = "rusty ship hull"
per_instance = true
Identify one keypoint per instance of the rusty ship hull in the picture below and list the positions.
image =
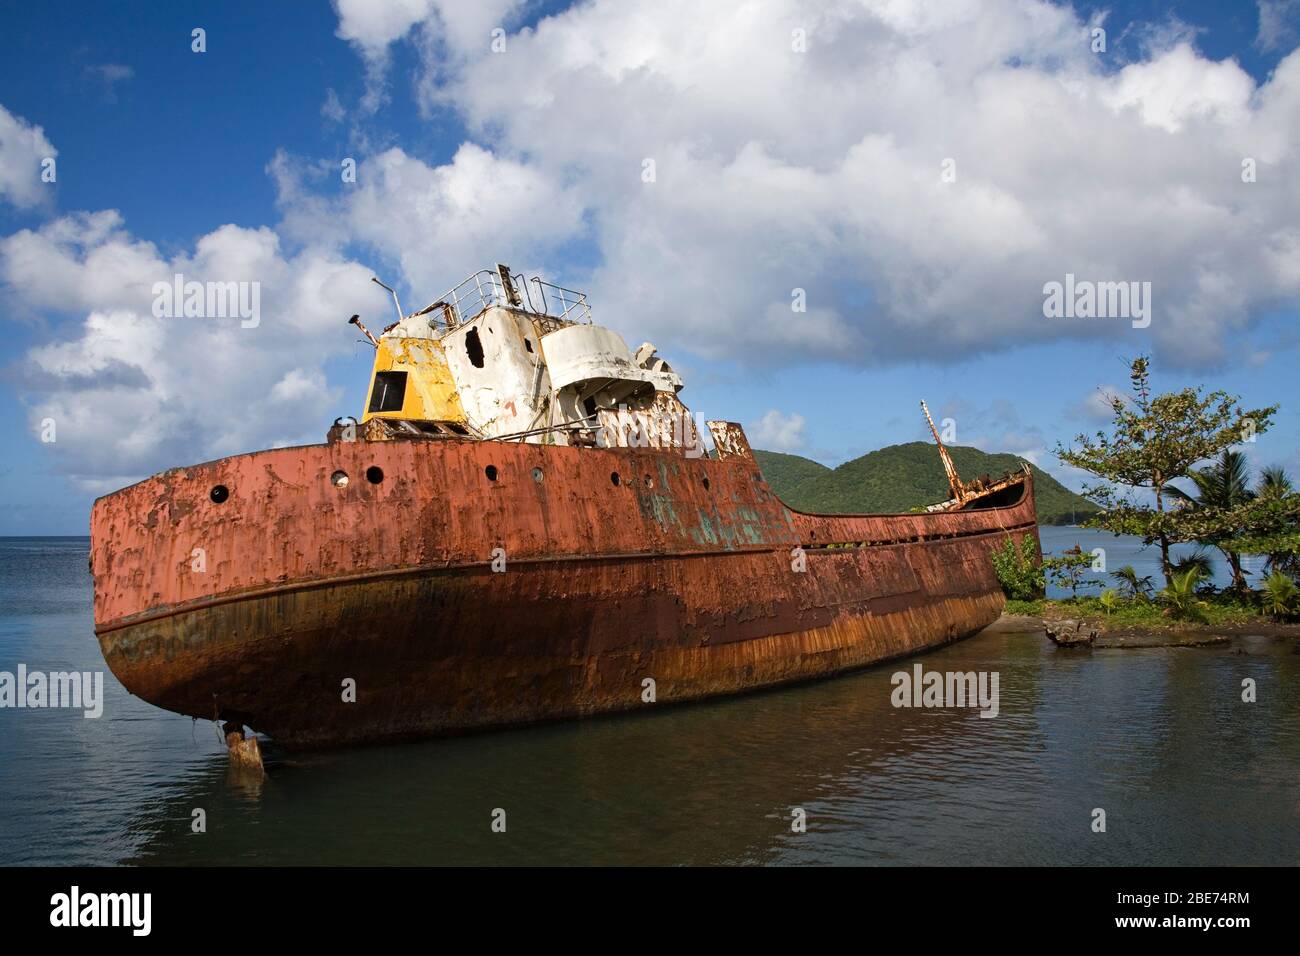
(459, 585)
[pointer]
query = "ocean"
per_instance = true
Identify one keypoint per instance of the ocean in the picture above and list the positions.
(1158, 739)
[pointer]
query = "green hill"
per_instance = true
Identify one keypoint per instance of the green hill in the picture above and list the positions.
(902, 477)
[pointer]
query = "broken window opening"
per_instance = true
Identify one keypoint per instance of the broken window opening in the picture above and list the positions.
(474, 347)
(389, 392)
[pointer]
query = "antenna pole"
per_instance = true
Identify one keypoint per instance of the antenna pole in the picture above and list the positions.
(393, 293)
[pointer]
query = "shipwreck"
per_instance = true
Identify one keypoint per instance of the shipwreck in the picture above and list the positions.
(524, 525)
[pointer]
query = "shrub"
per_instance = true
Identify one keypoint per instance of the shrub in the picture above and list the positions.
(1068, 569)
(1281, 596)
(1018, 569)
(1181, 598)
(1133, 586)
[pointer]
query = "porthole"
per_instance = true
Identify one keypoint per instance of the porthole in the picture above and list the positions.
(706, 482)
(649, 482)
(219, 493)
(614, 479)
(537, 475)
(491, 472)
(374, 474)
(339, 479)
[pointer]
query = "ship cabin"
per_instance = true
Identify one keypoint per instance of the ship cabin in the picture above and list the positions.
(501, 358)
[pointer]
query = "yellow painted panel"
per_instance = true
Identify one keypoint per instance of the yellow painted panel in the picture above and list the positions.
(431, 394)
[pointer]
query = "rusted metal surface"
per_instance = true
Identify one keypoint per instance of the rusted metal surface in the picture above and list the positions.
(730, 441)
(680, 571)
(968, 494)
(245, 752)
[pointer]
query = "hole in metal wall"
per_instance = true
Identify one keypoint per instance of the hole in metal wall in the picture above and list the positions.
(491, 472)
(614, 478)
(219, 493)
(339, 479)
(706, 483)
(474, 347)
(374, 474)
(537, 475)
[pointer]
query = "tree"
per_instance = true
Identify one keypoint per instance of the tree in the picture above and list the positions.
(1223, 486)
(1198, 561)
(1274, 484)
(1153, 440)
(1068, 570)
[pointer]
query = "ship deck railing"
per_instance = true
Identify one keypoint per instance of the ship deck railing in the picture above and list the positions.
(484, 289)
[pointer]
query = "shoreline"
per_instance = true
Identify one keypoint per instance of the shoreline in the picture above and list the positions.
(1173, 634)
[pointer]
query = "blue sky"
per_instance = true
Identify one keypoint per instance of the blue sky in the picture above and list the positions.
(818, 169)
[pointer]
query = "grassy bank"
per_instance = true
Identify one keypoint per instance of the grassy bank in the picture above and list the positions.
(1219, 612)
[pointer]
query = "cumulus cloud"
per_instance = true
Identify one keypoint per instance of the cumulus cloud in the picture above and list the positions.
(438, 223)
(23, 147)
(777, 431)
(131, 393)
(802, 145)
(454, 28)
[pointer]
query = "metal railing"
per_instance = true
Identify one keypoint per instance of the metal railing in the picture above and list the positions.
(562, 303)
(485, 289)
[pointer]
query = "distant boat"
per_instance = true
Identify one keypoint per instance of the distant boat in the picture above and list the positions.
(523, 526)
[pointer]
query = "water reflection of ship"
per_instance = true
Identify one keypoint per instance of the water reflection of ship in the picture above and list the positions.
(715, 782)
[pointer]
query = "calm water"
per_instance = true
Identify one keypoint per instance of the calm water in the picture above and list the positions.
(1128, 550)
(1159, 738)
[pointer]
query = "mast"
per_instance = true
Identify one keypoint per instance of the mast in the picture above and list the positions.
(954, 482)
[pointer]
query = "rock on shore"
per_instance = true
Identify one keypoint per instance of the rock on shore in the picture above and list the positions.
(1070, 633)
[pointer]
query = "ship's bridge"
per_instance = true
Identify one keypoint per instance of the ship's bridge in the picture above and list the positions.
(501, 357)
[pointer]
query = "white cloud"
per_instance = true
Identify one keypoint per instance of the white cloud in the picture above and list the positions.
(996, 428)
(22, 149)
(131, 393)
(108, 75)
(455, 28)
(1179, 86)
(332, 109)
(821, 170)
(1279, 24)
(438, 223)
(1097, 406)
(777, 431)
(373, 24)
